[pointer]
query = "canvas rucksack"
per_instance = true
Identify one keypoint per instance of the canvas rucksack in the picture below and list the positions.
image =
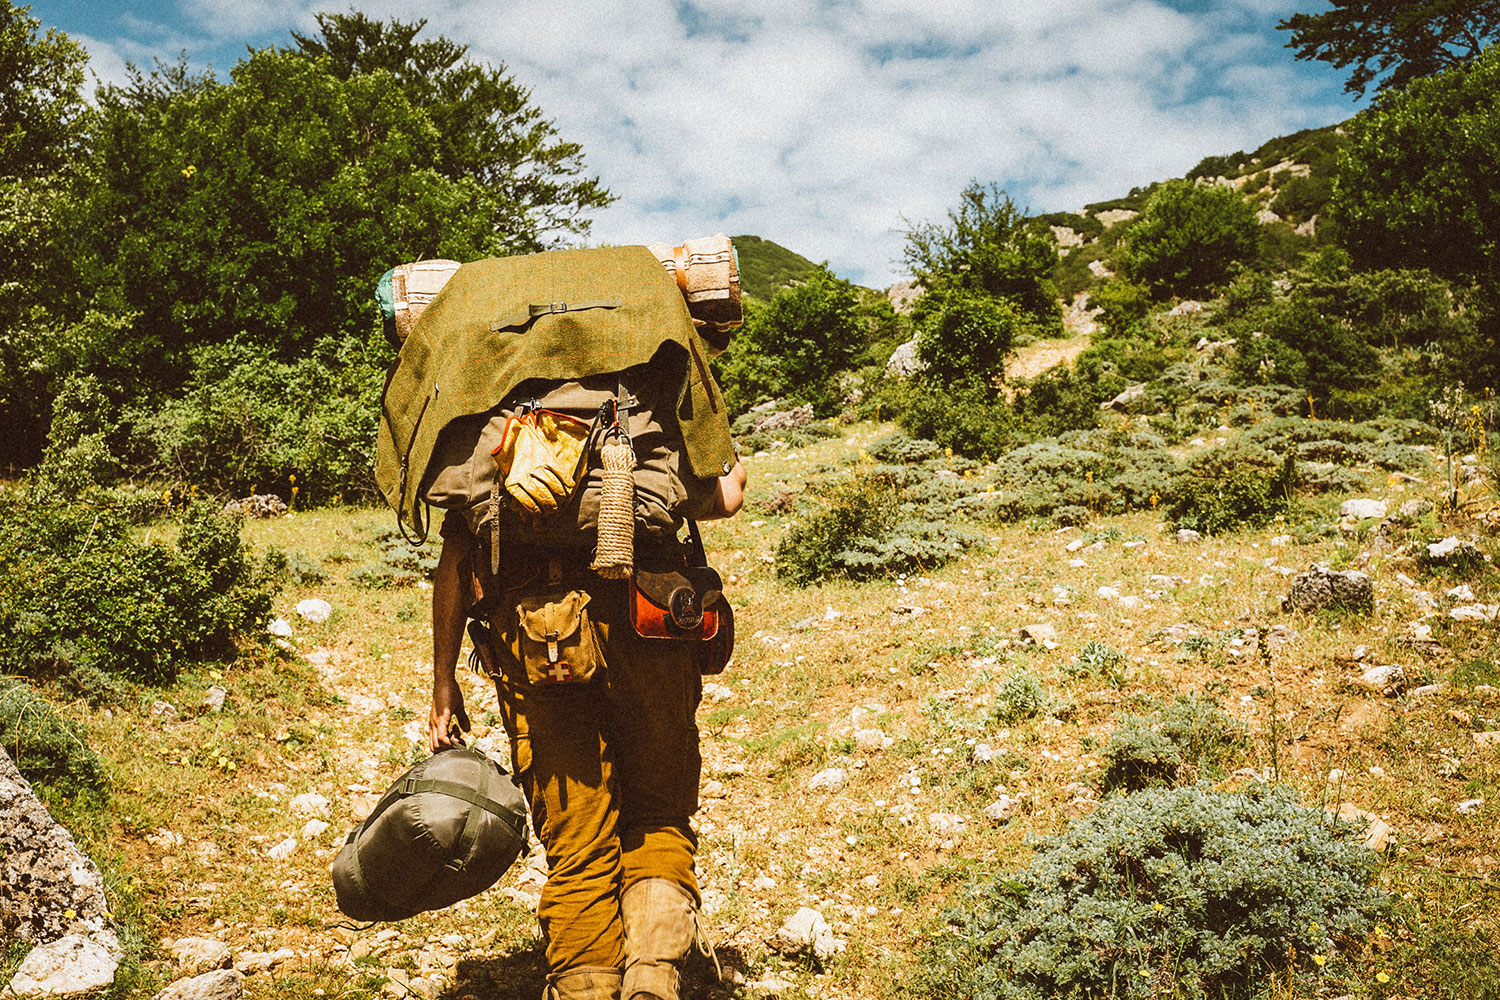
(545, 320)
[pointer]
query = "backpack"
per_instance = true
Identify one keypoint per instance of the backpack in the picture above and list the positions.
(506, 328)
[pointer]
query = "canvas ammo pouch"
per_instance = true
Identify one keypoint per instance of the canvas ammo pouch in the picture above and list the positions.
(445, 831)
(556, 639)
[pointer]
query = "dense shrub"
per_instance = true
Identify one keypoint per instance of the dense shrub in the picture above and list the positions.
(1103, 472)
(1237, 498)
(396, 564)
(861, 529)
(1188, 237)
(87, 602)
(1189, 739)
(968, 417)
(1098, 659)
(247, 423)
(900, 449)
(1300, 198)
(1411, 189)
(49, 751)
(796, 345)
(1181, 892)
(966, 336)
(1021, 696)
(1122, 304)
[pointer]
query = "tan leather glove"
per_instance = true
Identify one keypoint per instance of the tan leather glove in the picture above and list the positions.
(541, 455)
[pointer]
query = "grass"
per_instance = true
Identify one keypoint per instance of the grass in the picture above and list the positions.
(338, 713)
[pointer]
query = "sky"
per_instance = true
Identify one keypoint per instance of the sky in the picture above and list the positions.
(828, 126)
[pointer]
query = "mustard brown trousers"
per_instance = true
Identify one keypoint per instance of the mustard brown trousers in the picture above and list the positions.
(609, 763)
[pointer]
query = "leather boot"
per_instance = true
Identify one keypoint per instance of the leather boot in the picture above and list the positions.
(585, 983)
(661, 926)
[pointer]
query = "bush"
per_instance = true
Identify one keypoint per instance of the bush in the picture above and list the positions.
(247, 423)
(1122, 303)
(1188, 238)
(49, 751)
(1097, 659)
(969, 417)
(861, 530)
(1103, 472)
(900, 449)
(1237, 499)
(796, 345)
(1021, 696)
(1189, 739)
(90, 604)
(967, 336)
(1178, 892)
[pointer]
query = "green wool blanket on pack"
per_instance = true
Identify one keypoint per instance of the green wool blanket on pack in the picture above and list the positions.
(559, 315)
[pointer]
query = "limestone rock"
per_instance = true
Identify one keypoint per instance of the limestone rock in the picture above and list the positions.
(1377, 833)
(309, 804)
(1127, 400)
(807, 932)
(50, 889)
(213, 699)
(261, 505)
(904, 361)
(1413, 509)
(71, 965)
(315, 610)
(1361, 508)
(1321, 587)
(221, 984)
(1186, 536)
(1452, 550)
(1002, 810)
(1186, 307)
(1385, 679)
(252, 962)
(784, 420)
(196, 954)
(830, 780)
(1040, 633)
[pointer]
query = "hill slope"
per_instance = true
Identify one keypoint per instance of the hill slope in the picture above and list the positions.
(767, 266)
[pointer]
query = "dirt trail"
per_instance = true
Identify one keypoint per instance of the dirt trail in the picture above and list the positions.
(1032, 360)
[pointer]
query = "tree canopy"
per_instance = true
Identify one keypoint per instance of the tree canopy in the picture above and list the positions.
(1416, 183)
(1392, 42)
(1188, 236)
(988, 246)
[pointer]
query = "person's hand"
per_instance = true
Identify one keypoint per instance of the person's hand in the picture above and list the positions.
(447, 708)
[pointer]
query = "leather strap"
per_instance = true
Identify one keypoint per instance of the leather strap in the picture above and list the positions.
(551, 309)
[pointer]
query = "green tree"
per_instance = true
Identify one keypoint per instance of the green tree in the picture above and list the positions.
(967, 336)
(1188, 237)
(1392, 42)
(43, 118)
(488, 130)
(1415, 186)
(988, 246)
(41, 96)
(798, 343)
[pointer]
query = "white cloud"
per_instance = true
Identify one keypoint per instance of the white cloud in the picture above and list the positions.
(823, 125)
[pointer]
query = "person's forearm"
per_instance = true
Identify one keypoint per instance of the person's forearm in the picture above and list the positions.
(448, 611)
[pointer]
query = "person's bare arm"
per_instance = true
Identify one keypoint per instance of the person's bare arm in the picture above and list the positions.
(448, 612)
(729, 495)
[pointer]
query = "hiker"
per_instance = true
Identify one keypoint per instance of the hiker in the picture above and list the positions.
(606, 751)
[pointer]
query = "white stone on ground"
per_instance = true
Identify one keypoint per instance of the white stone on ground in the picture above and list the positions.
(71, 965)
(807, 931)
(309, 804)
(314, 609)
(828, 780)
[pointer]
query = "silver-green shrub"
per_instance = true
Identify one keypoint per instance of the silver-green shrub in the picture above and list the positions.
(1177, 892)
